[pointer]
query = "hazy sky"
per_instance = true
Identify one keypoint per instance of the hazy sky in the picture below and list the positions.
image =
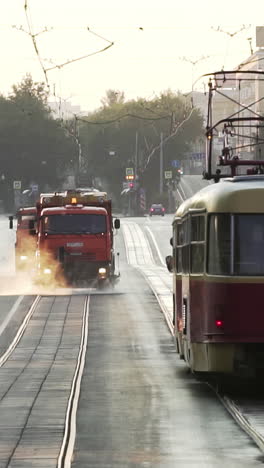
(150, 40)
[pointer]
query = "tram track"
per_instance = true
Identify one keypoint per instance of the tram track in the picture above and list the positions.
(40, 375)
(238, 413)
(140, 256)
(65, 456)
(247, 411)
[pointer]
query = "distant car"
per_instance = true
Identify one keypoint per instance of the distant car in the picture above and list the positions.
(157, 209)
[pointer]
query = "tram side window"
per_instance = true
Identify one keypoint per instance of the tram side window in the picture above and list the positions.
(249, 245)
(179, 237)
(182, 251)
(219, 246)
(185, 247)
(197, 244)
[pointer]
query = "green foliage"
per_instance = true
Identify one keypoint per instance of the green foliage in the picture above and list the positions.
(33, 146)
(108, 136)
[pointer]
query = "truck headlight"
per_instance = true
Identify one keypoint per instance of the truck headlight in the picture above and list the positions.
(23, 257)
(102, 271)
(47, 271)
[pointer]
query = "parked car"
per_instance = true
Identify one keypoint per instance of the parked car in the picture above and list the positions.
(157, 209)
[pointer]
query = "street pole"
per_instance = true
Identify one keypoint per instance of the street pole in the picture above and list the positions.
(135, 175)
(161, 163)
(136, 156)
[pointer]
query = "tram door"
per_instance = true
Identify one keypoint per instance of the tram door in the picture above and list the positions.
(182, 285)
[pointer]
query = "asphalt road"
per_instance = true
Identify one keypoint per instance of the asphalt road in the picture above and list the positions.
(139, 406)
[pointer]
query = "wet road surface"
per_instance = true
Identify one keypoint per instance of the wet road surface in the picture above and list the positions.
(139, 406)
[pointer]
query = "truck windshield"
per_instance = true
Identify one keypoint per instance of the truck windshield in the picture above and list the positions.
(23, 221)
(74, 224)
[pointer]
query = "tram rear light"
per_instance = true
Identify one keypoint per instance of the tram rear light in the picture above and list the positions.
(219, 323)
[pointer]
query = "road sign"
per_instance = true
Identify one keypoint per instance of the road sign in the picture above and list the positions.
(129, 171)
(175, 163)
(17, 185)
(168, 174)
(34, 188)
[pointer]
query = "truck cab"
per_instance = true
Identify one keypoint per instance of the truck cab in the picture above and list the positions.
(75, 237)
(25, 245)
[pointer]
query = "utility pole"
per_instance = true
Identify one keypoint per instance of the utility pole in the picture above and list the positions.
(161, 163)
(136, 156)
(135, 175)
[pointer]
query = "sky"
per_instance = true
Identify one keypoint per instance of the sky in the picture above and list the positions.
(157, 45)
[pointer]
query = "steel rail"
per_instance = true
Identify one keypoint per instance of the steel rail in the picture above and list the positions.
(238, 416)
(67, 447)
(20, 332)
(242, 421)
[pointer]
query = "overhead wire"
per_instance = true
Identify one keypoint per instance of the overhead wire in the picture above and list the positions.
(67, 62)
(33, 37)
(121, 117)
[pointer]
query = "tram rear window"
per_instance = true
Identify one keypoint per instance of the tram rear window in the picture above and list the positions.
(219, 258)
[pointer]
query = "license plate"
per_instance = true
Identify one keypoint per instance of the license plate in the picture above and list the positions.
(74, 244)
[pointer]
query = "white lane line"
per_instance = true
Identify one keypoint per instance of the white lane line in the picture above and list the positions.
(156, 245)
(180, 195)
(20, 332)
(156, 276)
(187, 187)
(66, 452)
(165, 302)
(11, 313)
(137, 246)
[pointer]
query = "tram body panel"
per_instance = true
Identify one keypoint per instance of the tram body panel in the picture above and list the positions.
(219, 324)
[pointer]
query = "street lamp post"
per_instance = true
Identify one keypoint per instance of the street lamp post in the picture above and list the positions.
(161, 163)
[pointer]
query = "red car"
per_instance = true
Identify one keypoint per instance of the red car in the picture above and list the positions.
(157, 209)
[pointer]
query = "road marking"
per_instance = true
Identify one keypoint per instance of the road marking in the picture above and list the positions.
(11, 313)
(66, 452)
(156, 245)
(180, 195)
(20, 332)
(139, 255)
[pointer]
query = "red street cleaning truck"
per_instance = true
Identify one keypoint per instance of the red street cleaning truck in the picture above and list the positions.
(75, 237)
(25, 246)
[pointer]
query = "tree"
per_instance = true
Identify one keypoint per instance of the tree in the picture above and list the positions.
(113, 97)
(33, 146)
(108, 137)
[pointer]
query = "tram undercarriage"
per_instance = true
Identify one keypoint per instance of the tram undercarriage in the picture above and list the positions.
(239, 359)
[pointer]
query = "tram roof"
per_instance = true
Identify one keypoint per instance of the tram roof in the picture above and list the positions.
(240, 194)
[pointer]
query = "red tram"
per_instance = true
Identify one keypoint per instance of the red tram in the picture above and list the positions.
(218, 241)
(218, 266)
